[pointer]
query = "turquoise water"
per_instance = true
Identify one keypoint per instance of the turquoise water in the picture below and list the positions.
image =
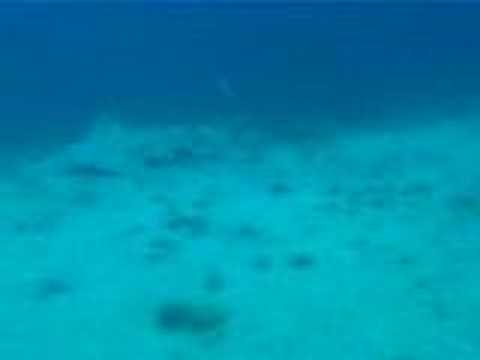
(231, 181)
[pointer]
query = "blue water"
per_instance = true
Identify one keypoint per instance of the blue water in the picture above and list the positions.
(63, 63)
(239, 180)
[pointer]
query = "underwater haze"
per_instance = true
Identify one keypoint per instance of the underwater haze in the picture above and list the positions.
(62, 64)
(240, 180)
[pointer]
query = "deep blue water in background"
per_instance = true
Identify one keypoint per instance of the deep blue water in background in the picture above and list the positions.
(276, 63)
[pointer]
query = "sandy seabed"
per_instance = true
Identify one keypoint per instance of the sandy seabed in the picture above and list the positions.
(206, 242)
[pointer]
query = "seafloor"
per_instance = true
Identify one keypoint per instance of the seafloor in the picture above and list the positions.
(189, 242)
